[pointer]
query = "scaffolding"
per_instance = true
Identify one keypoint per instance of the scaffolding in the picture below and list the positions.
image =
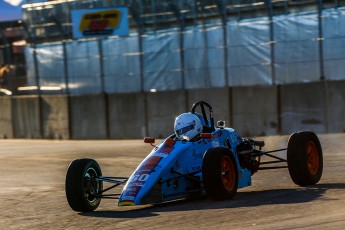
(184, 45)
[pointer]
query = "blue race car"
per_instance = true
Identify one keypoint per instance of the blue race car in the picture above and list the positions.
(198, 159)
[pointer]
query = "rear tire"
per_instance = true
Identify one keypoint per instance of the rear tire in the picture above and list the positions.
(304, 158)
(220, 174)
(81, 186)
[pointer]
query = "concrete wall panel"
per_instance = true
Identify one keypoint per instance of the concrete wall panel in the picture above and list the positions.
(88, 117)
(218, 98)
(6, 128)
(303, 107)
(26, 117)
(336, 106)
(162, 109)
(55, 117)
(126, 116)
(254, 110)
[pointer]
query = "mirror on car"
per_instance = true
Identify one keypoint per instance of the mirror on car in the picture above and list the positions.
(149, 140)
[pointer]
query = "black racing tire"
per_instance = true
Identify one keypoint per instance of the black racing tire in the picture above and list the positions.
(220, 174)
(304, 158)
(81, 186)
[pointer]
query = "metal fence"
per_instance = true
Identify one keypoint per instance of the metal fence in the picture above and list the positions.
(186, 45)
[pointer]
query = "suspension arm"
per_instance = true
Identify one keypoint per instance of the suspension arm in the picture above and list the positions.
(114, 180)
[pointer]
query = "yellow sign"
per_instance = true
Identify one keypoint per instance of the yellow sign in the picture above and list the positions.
(100, 21)
(96, 22)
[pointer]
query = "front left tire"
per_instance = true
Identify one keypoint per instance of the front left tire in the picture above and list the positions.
(220, 174)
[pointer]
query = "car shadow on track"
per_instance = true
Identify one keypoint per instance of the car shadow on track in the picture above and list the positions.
(242, 199)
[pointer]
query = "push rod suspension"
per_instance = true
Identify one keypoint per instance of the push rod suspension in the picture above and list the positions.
(115, 180)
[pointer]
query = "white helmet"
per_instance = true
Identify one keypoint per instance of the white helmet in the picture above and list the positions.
(187, 126)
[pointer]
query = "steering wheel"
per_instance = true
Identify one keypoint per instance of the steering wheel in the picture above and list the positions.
(202, 104)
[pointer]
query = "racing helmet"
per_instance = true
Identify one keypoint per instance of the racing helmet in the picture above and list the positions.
(187, 126)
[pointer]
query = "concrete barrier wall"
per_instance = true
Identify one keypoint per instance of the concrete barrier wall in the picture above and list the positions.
(26, 117)
(254, 110)
(336, 106)
(162, 109)
(303, 107)
(127, 116)
(88, 117)
(6, 127)
(55, 117)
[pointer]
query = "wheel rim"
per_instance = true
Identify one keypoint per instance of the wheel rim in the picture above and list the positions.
(312, 157)
(227, 173)
(91, 185)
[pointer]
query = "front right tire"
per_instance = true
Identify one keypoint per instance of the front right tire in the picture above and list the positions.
(82, 188)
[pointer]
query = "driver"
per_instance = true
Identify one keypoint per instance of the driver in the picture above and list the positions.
(187, 126)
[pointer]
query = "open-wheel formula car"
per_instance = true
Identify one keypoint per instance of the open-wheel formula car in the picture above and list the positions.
(200, 158)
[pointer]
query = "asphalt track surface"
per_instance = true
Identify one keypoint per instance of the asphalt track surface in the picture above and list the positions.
(32, 192)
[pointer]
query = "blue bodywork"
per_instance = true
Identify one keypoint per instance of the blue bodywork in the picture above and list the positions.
(173, 169)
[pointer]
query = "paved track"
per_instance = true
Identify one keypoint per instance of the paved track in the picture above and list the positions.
(32, 191)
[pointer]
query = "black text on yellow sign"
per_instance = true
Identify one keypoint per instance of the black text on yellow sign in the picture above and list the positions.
(100, 23)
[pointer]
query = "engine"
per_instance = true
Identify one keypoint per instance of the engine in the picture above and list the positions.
(247, 155)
